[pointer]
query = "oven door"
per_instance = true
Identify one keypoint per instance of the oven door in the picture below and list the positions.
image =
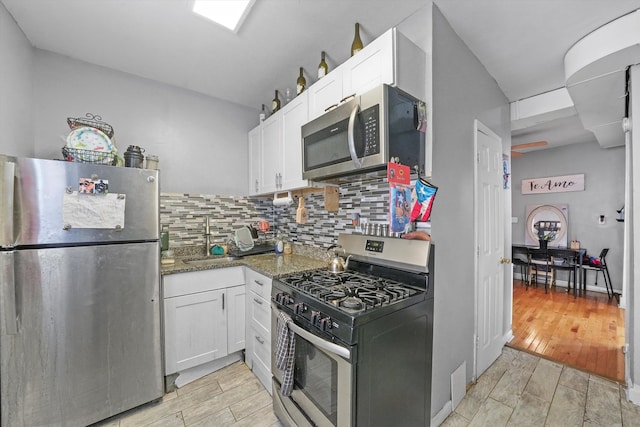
(322, 390)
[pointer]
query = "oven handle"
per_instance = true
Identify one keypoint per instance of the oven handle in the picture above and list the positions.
(319, 342)
(351, 137)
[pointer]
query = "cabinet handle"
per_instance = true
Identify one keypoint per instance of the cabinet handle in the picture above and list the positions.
(257, 301)
(223, 301)
(257, 186)
(259, 282)
(260, 340)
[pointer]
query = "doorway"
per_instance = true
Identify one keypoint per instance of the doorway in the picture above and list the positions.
(604, 168)
(489, 213)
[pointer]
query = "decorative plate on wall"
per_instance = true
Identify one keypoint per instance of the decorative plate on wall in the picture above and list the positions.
(549, 218)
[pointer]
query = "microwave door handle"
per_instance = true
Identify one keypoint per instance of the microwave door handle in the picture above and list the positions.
(351, 137)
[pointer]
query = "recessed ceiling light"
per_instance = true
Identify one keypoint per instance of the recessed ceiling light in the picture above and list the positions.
(228, 13)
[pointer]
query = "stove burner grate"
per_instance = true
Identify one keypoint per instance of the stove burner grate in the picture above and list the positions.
(349, 291)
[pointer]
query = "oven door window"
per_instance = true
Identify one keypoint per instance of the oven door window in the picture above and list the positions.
(316, 375)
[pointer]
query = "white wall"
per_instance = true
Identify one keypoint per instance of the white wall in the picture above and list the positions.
(16, 93)
(603, 169)
(201, 141)
(462, 91)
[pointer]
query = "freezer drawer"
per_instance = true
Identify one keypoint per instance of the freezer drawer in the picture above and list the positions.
(87, 342)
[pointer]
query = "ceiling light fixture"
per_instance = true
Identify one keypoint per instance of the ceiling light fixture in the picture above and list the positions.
(228, 13)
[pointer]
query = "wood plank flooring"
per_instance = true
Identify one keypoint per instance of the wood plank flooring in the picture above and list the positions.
(232, 396)
(586, 333)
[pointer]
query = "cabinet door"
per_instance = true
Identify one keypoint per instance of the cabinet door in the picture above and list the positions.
(370, 67)
(271, 153)
(324, 93)
(195, 330)
(236, 318)
(294, 115)
(255, 154)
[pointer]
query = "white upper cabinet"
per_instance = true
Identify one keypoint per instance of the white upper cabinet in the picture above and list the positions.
(294, 115)
(271, 153)
(392, 59)
(324, 93)
(255, 161)
(371, 67)
(275, 150)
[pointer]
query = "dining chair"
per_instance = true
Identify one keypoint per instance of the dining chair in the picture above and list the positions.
(566, 260)
(520, 258)
(540, 264)
(601, 266)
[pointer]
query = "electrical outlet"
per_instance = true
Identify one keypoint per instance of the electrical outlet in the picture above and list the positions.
(601, 219)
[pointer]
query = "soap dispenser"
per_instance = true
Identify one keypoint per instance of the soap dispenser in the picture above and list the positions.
(279, 246)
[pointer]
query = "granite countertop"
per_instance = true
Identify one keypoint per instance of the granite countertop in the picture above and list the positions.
(271, 265)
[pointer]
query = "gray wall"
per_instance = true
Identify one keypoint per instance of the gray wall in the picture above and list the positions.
(603, 195)
(462, 91)
(16, 93)
(200, 140)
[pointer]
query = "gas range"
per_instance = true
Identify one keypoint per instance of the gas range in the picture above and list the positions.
(370, 324)
(335, 304)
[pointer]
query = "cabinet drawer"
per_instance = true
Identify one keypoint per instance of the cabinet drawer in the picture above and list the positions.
(261, 360)
(201, 281)
(260, 314)
(259, 284)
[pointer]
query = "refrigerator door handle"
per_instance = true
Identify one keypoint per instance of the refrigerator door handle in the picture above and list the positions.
(8, 292)
(7, 173)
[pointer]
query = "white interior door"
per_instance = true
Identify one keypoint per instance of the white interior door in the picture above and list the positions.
(489, 215)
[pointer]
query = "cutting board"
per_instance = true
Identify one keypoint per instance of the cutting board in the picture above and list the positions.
(331, 198)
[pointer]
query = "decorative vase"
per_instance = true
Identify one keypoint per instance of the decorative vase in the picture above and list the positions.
(543, 244)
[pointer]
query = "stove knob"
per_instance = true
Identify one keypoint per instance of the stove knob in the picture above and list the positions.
(325, 323)
(299, 308)
(315, 317)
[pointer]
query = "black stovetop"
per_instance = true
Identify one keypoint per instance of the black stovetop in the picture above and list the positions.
(349, 291)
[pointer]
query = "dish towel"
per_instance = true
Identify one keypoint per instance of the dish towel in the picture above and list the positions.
(285, 352)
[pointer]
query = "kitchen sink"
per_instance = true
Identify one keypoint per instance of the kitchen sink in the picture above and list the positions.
(210, 261)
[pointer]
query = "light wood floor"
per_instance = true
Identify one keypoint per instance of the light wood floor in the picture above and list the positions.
(586, 332)
(232, 396)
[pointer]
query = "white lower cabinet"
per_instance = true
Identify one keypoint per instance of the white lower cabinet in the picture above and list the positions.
(204, 317)
(258, 340)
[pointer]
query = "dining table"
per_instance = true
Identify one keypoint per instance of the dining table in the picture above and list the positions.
(580, 273)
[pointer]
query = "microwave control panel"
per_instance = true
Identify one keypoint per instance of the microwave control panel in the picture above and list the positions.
(371, 126)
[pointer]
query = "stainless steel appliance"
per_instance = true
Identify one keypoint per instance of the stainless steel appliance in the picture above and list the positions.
(79, 296)
(363, 337)
(363, 134)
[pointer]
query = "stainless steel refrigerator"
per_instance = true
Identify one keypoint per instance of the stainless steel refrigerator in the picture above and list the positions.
(79, 291)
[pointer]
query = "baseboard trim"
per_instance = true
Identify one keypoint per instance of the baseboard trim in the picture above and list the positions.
(189, 375)
(564, 284)
(442, 414)
(633, 393)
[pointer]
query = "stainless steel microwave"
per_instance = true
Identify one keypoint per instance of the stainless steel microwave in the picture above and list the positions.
(363, 134)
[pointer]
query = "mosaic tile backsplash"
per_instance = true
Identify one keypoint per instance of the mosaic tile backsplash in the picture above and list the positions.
(183, 215)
